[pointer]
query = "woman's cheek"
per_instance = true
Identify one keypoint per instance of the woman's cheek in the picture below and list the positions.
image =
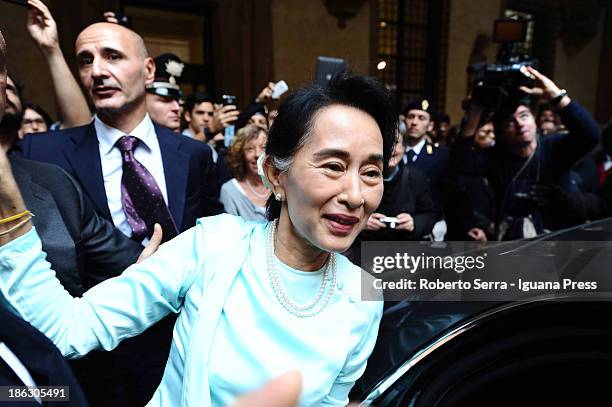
(373, 198)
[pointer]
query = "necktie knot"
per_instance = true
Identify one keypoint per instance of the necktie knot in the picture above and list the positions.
(127, 143)
(410, 156)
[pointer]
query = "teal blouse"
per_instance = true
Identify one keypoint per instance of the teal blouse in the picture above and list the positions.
(231, 336)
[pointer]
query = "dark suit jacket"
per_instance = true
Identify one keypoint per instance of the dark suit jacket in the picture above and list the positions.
(188, 169)
(83, 248)
(408, 192)
(434, 165)
(40, 357)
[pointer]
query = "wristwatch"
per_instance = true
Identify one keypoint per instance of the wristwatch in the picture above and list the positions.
(557, 99)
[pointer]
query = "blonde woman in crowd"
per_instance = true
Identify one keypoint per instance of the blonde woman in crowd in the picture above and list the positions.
(245, 195)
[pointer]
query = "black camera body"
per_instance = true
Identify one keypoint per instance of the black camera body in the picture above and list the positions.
(497, 84)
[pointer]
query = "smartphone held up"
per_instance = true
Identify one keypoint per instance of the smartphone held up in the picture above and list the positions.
(228, 134)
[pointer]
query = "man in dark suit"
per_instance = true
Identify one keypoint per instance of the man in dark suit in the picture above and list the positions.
(187, 166)
(115, 70)
(84, 248)
(135, 172)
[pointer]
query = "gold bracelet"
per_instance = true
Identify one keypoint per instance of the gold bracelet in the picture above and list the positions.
(23, 222)
(15, 217)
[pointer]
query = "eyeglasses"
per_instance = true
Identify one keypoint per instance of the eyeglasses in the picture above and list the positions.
(29, 122)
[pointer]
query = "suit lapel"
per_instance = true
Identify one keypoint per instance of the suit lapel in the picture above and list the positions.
(84, 157)
(176, 170)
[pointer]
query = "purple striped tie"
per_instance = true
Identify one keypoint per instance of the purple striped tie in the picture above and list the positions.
(141, 198)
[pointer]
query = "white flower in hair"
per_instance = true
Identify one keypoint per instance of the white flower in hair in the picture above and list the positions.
(261, 173)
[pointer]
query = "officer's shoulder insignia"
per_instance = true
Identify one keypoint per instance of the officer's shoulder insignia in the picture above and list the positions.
(429, 149)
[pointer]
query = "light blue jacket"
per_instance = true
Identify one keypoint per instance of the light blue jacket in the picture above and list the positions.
(175, 279)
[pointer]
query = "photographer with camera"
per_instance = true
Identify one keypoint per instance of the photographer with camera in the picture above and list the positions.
(523, 163)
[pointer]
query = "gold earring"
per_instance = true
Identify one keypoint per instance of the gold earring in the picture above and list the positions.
(278, 196)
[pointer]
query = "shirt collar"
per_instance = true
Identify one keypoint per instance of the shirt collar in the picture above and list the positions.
(418, 147)
(108, 136)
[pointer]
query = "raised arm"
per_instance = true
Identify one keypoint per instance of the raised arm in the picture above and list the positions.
(583, 131)
(70, 100)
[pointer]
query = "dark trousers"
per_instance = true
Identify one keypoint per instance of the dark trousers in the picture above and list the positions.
(129, 375)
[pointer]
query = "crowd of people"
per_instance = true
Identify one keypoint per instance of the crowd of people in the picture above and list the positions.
(308, 177)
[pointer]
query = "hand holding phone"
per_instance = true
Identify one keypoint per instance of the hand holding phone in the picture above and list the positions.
(223, 117)
(230, 129)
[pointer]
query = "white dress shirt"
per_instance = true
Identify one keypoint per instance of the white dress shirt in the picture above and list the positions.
(417, 150)
(147, 153)
(187, 132)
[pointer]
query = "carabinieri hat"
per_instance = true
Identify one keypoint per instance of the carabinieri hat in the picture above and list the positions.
(420, 104)
(168, 69)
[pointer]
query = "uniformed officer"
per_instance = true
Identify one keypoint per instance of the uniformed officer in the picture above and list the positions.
(164, 94)
(430, 158)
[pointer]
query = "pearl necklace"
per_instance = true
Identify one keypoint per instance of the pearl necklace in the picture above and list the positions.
(257, 194)
(316, 305)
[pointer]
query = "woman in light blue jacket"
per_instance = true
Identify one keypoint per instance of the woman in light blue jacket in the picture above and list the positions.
(255, 299)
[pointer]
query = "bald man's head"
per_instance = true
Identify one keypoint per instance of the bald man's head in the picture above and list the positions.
(114, 68)
(130, 34)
